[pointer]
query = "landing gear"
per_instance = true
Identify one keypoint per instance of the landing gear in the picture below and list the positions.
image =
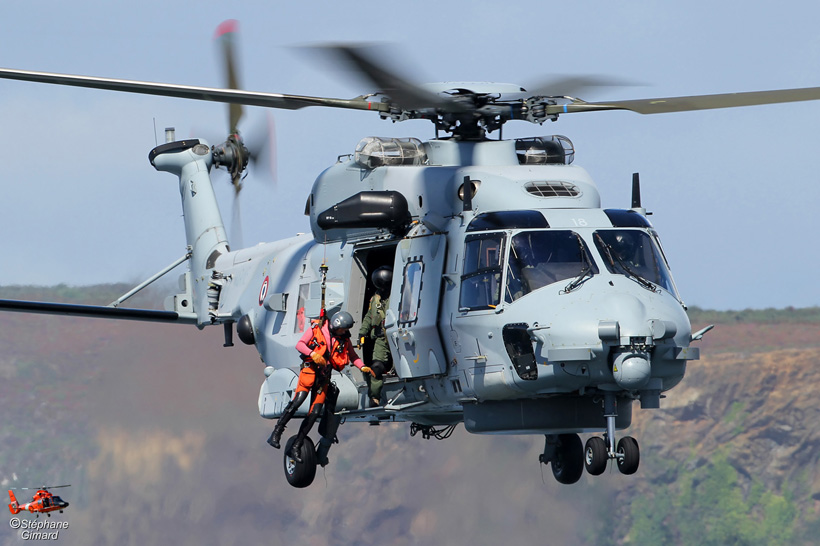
(629, 456)
(595, 456)
(565, 453)
(300, 474)
(568, 456)
(599, 451)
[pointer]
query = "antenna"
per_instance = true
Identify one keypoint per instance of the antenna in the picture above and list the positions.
(467, 198)
(636, 190)
(636, 195)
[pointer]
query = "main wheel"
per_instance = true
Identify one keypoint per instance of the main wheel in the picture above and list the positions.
(595, 456)
(301, 474)
(568, 464)
(628, 446)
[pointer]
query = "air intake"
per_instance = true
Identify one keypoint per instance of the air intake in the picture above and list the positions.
(552, 189)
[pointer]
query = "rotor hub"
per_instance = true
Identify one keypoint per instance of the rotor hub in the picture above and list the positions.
(233, 155)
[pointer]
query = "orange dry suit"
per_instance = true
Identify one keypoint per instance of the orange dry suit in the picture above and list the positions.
(337, 354)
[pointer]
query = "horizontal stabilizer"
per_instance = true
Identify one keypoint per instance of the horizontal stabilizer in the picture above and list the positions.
(98, 311)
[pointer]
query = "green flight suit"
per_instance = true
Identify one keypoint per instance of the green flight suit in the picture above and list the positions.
(373, 328)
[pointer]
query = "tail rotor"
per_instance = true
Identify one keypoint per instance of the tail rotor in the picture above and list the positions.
(233, 154)
(14, 506)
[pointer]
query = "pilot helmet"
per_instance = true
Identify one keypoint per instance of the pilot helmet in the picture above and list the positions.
(626, 244)
(382, 278)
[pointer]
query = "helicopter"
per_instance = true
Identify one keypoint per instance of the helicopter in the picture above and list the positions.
(519, 304)
(43, 501)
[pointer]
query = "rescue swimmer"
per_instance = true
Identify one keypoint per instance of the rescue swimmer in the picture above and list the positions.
(324, 347)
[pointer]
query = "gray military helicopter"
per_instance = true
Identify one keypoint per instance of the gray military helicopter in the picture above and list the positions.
(519, 305)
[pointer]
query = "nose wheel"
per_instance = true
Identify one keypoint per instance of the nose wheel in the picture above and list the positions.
(628, 455)
(597, 454)
(568, 456)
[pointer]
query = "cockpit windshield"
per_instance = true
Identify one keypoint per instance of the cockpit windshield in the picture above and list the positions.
(632, 252)
(539, 258)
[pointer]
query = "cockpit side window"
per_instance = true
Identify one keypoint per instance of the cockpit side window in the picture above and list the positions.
(633, 253)
(540, 258)
(481, 276)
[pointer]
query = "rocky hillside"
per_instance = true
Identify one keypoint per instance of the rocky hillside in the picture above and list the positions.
(157, 429)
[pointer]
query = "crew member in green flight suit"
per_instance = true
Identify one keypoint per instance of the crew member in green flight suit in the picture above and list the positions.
(373, 328)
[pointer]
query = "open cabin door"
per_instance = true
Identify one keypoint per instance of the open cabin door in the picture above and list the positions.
(414, 304)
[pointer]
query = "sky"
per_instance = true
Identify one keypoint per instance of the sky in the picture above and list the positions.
(733, 192)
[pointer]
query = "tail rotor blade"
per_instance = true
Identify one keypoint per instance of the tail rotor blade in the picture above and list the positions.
(236, 223)
(262, 148)
(227, 36)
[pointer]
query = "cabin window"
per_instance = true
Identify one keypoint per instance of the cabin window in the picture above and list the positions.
(299, 323)
(481, 278)
(411, 292)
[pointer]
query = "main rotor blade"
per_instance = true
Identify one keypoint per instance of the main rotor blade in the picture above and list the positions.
(573, 85)
(401, 92)
(70, 309)
(231, 96)
(696, 102)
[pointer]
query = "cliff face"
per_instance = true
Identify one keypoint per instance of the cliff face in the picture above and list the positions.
(157, 429)
(760, 409)
(734, 448)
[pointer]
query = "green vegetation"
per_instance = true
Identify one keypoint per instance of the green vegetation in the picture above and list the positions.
(735, 416)
(706, 506)
(755, 316)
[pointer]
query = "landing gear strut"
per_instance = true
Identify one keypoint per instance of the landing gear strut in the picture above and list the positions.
(599, 451)
(569, 457)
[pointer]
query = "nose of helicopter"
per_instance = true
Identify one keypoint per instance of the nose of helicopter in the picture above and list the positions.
(629, 310)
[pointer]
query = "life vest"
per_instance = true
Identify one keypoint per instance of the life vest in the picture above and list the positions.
(380, 311)
(338, 353)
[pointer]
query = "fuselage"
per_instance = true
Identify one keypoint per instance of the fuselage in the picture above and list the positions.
(42, 502)
(527, 291)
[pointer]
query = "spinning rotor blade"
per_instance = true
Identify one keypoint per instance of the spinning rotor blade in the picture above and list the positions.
(226, 34)
(43, 487)
(236, 224)
(401, 92)
(261, 143)
(696, 102)
(462, 114)
(573, 86)
(232, 96)
(260, 149)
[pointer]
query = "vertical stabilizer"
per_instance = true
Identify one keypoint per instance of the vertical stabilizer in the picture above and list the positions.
(191, 161)
(14, 507)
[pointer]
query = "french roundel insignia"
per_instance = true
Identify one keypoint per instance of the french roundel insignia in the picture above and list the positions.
(264, 290)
